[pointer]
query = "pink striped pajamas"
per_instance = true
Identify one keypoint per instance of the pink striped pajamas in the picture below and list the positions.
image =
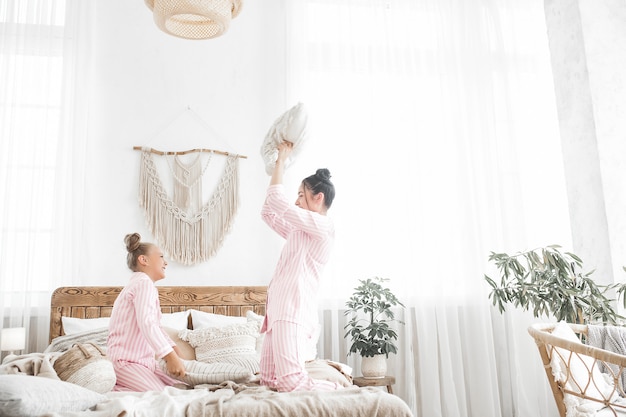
(136, 337)
(291, 311)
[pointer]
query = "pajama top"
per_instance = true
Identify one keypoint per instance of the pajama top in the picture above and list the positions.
(135, 333)
(309, 236)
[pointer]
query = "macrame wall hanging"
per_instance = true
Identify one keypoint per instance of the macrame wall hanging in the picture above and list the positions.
(194, 19)
(189, 231)
(186, 223)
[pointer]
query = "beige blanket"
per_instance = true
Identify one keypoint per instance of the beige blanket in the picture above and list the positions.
(37, 364)
(233, 400)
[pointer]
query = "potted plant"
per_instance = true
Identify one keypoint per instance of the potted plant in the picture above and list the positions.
(370, 325)
(551, 283)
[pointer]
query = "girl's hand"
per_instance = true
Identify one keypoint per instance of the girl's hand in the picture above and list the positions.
(175, 367)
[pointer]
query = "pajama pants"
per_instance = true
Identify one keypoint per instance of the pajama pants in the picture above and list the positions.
(136, 377)
(282, 360)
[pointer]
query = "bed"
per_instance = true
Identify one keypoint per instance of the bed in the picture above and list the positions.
(216, 308)
(587, 379)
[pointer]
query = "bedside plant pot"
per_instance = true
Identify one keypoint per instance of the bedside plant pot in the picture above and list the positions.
(373, 367)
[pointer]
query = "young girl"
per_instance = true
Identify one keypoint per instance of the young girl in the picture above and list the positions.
(291, 312)
(136, 338)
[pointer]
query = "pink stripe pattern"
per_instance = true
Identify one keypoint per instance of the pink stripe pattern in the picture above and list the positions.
(309, 237)
(291, 310)
(135, 333)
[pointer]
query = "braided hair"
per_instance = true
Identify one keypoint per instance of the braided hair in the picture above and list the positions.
(320, 183)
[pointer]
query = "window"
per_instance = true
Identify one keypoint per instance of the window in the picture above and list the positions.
(31, 80)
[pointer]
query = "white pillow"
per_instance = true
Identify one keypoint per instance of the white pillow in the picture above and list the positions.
(291, 126)
(253, 317)
(576, 375)
(178, 320)
(197, 373)
(26, 395)
(234, 344)
(202, 320)
(73, 325)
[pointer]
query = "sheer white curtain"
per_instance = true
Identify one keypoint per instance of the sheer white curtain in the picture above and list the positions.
(437, 120)
(44, 62)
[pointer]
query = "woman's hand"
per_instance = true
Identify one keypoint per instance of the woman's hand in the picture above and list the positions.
(284, 150)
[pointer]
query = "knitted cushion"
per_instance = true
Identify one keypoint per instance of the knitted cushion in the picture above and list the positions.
(291, 126)
(86, 365)
(234, 344)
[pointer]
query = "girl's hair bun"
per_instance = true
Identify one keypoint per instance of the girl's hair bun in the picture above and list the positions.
(323, 174)
(133, 241)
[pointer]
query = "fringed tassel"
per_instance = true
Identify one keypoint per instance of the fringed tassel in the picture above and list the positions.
(194, 237)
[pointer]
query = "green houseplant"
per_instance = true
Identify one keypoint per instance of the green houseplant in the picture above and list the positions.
(550, 282)
(370, 324)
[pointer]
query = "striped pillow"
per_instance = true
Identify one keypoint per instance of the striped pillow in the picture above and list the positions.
(197, 373)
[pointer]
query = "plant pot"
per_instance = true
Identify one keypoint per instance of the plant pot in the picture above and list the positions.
(373, 367)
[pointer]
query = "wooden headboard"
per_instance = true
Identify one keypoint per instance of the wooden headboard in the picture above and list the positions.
(94, 302)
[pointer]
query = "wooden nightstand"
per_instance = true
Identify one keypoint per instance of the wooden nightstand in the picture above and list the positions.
(386, 381)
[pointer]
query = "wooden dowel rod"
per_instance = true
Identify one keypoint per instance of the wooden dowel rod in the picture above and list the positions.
(140, 148)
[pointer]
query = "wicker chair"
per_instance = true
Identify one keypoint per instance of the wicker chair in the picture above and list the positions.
(585, 371)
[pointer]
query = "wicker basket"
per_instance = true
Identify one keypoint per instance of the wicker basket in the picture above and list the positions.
(583, 378)
(86, 365)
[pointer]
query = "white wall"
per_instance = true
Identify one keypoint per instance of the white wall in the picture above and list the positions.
(144, 80)
(237, 84)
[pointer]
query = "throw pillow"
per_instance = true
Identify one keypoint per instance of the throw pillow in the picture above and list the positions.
(579, 372)
(197, 373)
(234, 344)
(291, 126)
(186, 350)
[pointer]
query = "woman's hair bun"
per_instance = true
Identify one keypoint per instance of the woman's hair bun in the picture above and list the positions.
(323, 174)
(132, 241)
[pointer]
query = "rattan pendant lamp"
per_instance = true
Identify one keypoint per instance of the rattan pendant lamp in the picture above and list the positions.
(194, 19)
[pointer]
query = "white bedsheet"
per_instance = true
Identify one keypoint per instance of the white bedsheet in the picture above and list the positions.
(172, 402)
(233, 400)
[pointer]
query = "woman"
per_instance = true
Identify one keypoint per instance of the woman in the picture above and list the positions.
(136, 338)
(291, 312)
